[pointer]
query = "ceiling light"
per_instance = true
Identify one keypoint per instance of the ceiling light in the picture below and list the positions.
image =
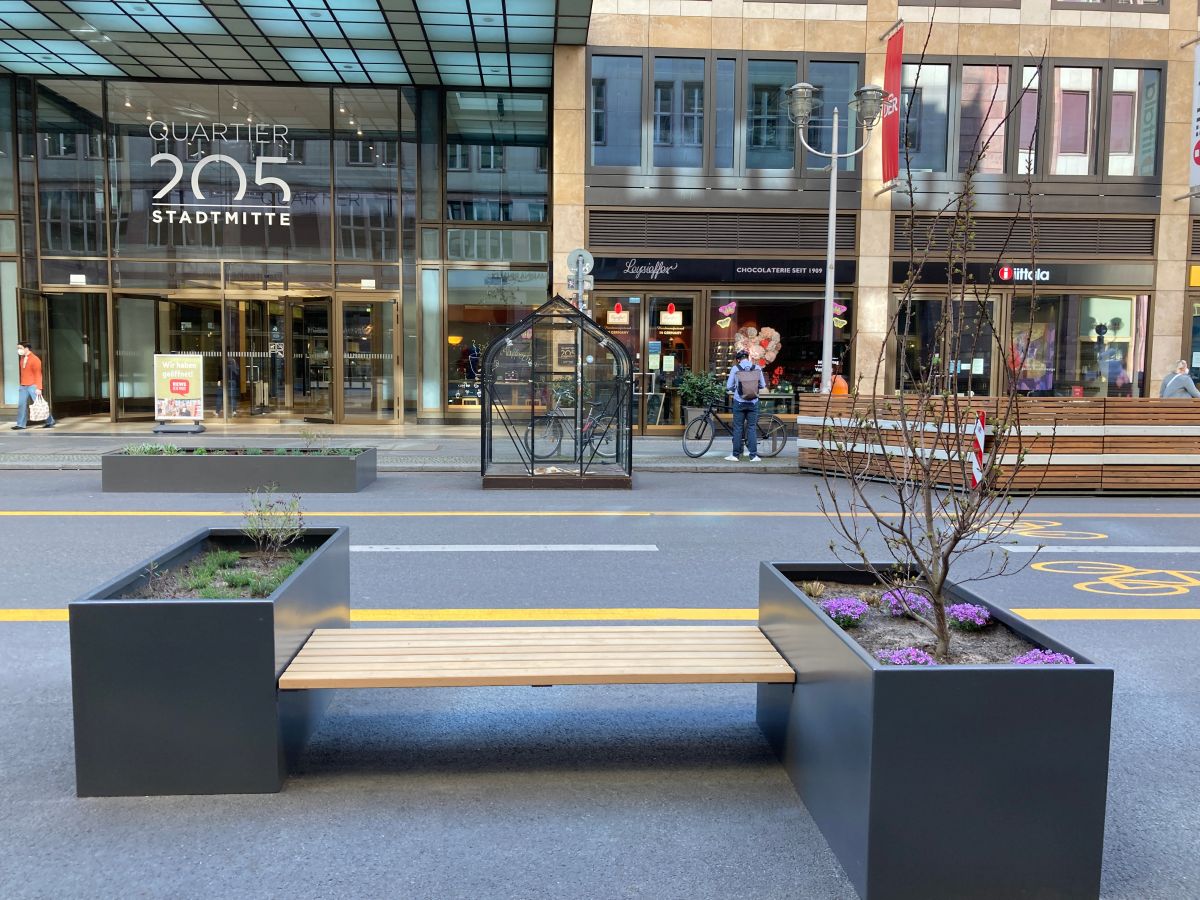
(149, 118)
(360, 132)
(127, 103)
(235, 103)
(342, 108)
(351, 121)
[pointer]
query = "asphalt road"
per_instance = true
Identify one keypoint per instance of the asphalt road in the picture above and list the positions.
(593, 792)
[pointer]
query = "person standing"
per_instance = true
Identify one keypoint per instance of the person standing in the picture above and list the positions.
(1178, 385)
(31, 385)
(746, 381)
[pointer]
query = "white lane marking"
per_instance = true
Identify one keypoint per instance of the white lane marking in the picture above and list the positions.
(504, 548)
(1092, 548)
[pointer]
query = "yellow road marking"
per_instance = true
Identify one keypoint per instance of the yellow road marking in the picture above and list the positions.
(637, 614)
(1131, 614)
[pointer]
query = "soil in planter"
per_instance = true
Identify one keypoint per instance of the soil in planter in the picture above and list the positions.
(995, 644)
(223, 575)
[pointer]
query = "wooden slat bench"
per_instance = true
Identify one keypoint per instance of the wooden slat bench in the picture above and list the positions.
(537, 656)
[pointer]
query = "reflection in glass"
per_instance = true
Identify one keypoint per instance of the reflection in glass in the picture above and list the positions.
(501, 140)
(77, 355)
(71, 168)
(770, 141)
(956, 358)
(1031, 80)
(1073, 135)
(8, 196)
(678, 124)
(615, 111)
(834, 85)
(1078, 345)
(481, 304)
(669, 331)
(1133, 122)
(723, 148)
(982, 115)
(366, 174)
(924, 117)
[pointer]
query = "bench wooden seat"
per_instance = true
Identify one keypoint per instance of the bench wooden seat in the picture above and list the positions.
(536, 656)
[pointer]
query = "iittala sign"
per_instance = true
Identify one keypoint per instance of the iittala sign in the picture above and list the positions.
(268, 204)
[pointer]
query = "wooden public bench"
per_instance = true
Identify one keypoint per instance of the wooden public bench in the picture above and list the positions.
(536, 656)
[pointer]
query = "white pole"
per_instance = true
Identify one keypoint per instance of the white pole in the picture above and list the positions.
(830, 253)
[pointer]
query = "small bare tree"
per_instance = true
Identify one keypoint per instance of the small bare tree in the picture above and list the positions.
(901, 466)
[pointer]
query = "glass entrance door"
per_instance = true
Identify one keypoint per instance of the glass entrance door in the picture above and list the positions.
(69, 332)
(369, 360)
(311, 371)
(278, 360)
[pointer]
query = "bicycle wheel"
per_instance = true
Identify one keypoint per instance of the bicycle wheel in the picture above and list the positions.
(605, 437)
(772, 435)
(698, 436)
(543, 437)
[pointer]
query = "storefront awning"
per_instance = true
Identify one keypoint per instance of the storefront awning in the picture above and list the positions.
(458, 43)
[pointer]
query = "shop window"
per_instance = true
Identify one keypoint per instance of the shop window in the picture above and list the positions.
(982, 115)
(835, 84)
(1133, 122)
(770, 135)
(1072, 150)
(724, 112)
(1079, 345)
(618, 140)
(955, 359)
(924, 117)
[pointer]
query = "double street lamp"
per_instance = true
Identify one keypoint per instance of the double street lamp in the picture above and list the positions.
(868, 104)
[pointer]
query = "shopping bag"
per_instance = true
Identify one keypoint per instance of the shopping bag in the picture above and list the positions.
(39, 410)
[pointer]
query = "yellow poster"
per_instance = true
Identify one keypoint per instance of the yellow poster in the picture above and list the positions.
(178, 387)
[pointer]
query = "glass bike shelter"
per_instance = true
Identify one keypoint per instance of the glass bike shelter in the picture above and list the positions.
(320, 357)
(557, 404)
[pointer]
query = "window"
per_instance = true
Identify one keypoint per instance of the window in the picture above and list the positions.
(835, 84)
(458, 158)
(982, 114)
(678, 113)
(1133, 122)
(359, 153)
(198, 147)
(619, 142)
(60, 145)
(543, 159)
(723, 147)
(1132, 6)
(1073, 141)
(599, 111)
(957, 359)
(1028, 122)
(663, 95)
(770, 138)
(924, 117)
(491, 158)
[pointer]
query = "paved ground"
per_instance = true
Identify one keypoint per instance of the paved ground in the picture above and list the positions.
(589, 792)
(78, 443)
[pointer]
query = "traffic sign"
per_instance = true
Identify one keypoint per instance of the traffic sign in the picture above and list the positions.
(580, 258)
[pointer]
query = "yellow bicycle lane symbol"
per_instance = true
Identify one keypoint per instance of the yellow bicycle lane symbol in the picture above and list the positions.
(1043, 528)
(1125, 581)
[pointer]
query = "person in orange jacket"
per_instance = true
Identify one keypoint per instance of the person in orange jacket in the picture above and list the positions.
(31, 385)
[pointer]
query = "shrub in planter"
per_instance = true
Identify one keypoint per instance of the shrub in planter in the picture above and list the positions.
(846, 611)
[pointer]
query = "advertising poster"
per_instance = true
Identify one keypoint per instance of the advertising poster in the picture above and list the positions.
(178, 387)
(1033, 353)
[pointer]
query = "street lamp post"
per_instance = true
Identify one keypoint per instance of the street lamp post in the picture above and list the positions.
(868, 103)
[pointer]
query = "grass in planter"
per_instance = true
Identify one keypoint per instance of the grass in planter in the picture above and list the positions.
(881, 631)
(226, 575)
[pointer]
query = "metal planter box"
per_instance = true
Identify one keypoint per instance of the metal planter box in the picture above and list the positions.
(184, 473)
(939, 782)
(179, 696)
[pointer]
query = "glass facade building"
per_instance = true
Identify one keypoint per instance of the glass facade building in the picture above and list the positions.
(331, 252)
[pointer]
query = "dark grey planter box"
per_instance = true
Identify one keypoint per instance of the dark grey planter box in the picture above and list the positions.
(187, 473)
(939, 782)
(180, 696)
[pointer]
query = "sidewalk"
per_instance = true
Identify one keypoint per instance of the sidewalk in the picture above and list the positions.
(411, 448)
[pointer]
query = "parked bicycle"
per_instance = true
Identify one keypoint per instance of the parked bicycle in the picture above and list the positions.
(544, 436)
(700, 433)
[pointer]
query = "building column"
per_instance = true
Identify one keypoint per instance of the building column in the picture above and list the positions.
(567, 159)
(1169, 320)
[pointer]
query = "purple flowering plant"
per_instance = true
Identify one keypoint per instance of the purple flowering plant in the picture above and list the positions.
(1037, 657)
(895, 602)
(968, 616)
(905, 656)
(846, 611)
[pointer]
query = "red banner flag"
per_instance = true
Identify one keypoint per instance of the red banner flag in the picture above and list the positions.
(891, 105)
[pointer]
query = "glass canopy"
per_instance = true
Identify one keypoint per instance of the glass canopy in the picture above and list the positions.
(557, 403)
(470, 43)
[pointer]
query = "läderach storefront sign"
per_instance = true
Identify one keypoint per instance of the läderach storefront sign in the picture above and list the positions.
(178, 387)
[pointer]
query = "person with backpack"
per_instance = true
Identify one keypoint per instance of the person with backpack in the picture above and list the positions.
(746, 381)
